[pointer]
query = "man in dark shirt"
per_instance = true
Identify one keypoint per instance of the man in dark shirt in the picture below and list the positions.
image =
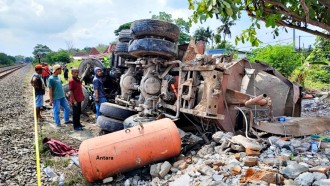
(65, 73)
(76, 97)
(39, 89)
(99, 95)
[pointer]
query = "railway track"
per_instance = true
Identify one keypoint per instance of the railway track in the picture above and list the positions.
(8, 70)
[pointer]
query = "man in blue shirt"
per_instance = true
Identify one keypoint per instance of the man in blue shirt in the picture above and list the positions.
(99, 95)
(57, 96)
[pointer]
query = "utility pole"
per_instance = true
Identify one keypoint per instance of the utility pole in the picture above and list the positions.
(294, 39)
(299, 43)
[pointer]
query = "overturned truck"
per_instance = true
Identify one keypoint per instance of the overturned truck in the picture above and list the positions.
(179, 83)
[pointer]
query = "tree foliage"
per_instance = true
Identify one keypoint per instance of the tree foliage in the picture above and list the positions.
(203, 34)
(321, 52)
(101, 47)
(282, 57)
(40, 49)
(6, 59)
(298, 14)
(60, 56)
(123, 27)
(183, 25)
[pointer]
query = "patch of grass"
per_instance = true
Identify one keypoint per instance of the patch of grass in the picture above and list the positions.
(311, 85)
(49, 162)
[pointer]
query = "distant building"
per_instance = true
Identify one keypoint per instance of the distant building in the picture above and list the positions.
(240, 54)
(94, 53)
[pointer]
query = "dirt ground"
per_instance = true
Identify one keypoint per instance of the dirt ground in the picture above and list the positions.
(65, 134)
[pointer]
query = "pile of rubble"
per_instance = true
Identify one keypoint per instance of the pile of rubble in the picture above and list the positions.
(317, 106)
(237, 160)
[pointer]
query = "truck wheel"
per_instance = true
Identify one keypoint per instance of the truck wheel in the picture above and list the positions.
(92, 63)
(125, 35)
(153, 47)
(116, 111)
(109, 124)
(84, 103)
(155, 28)
(122, 50)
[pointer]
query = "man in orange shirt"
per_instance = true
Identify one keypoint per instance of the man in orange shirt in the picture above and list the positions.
(45, 73)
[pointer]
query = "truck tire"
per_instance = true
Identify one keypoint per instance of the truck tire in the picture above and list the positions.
(125, 35)
(153, 47)
(122, 50)
(155, 28)
(116, 111)
(84, 103)
(109, 124)
(92, 63)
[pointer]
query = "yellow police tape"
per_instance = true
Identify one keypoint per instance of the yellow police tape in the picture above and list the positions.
(36, 138)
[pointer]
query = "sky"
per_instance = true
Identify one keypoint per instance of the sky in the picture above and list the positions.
(87, 23)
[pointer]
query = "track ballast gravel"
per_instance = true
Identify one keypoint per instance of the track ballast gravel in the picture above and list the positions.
(17, 150)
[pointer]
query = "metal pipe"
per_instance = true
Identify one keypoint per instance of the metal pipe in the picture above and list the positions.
(178, 101)
(259, 100)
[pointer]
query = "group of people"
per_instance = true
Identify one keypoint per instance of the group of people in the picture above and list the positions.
(57, 95)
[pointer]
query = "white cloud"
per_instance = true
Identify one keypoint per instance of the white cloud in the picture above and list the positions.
(38, 8)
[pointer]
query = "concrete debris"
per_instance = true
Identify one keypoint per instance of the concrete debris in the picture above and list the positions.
(245, 142)
(271, 161)
(165, 168)
(108, 180)
(206, 149)
(323, 182)
(250, 161)
(293, 170)
(305, 179)
(155, 169)
(266, 176)
(320, 169)
(319, 176)
(183, 180)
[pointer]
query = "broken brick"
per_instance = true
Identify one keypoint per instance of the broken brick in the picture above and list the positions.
(251, 152)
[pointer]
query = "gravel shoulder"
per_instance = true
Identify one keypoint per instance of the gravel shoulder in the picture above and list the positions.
(17, 148)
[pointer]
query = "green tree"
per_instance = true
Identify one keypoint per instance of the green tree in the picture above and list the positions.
(183, 25)
(321, 52)
(282, 57)
(60, 56)
(19, 58)
(41, 49)
(6, 59)
(101, 47)
(203, 34)
(123, 27)
(224, 29)
(28, 59)
(295, 14)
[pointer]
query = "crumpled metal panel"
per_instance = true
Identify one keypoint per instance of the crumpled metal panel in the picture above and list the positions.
(276, 89)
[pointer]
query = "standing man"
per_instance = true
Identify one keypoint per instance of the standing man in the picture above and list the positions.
(57, 96)
(66, 73)
(45, 72)
(99, 95)
(39, 89)
(76, 97)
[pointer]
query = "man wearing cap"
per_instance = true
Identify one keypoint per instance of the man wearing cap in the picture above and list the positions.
(57, 96)
(76, 97)
(45, 72)
(39, 89)
(99, 95)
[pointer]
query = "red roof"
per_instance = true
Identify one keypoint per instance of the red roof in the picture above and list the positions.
(111, 48)
(94, 52)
